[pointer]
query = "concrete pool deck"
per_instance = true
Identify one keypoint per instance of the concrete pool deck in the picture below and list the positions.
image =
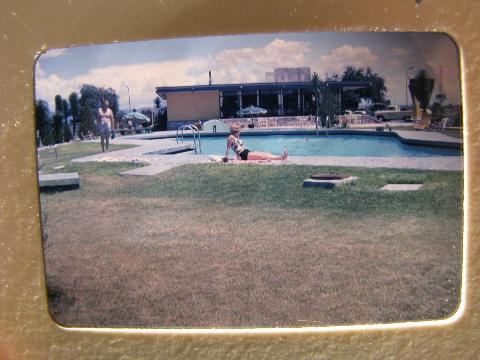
(164, 142)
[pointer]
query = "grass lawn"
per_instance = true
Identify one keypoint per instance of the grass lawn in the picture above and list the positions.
(62, 154)
(219, 245)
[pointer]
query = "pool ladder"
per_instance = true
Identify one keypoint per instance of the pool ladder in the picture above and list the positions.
(328, 124)
(196, 136)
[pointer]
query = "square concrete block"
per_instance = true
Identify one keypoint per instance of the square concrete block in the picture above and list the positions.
(59, 181)
(401, 187)
(328, 184)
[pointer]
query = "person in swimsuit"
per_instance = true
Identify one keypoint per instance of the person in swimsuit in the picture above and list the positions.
(105, 124)
(236, 144)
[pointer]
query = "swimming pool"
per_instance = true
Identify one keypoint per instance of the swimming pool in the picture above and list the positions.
(331, 145)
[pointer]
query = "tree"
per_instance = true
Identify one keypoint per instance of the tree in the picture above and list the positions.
(91, 98)
(58, 119)
(437, 110)
(157, 102)
(67, 135)
(87, 120)
(161, 121)
(149, 113)
(75, 111)
(328, 104)
(375, 93)
(316, 92)
(65, 108)
(325, 100)
(333, 77)
(42, 119)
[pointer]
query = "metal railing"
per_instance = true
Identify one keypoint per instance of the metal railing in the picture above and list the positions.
(196, 136)
(273, 121)
(328, 124)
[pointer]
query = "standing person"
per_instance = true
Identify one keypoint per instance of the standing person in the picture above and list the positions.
(105, 124)
(234, 143)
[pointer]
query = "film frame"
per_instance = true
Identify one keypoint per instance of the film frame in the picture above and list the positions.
(28, 331)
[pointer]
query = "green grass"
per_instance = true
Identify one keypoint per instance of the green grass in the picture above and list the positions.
(62, 154)
(215, 245)
(281, 187)
(101, 168)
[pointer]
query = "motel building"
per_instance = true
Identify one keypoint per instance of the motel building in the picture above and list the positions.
(191, 104)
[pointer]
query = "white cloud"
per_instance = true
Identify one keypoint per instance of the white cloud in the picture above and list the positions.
(395, 64)
(251, 64)
(400, 52)
(339, 58)
(227, 66)
(39, 71)
(396, 88)
(247, 64)
(140, 78)
(54, 53)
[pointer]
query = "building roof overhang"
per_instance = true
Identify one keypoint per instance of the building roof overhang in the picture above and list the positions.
(345, 85)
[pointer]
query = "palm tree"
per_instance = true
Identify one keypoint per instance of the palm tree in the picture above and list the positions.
(316, 91)
(157, 102)
(42, 118)
(75, 110)
(58, 120)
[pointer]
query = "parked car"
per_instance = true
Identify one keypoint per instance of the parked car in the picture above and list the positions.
(393, 112)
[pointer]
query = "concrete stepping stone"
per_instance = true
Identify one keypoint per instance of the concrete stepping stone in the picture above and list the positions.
(60, 181)
(150, 170)
(329, 181)
(401, 187)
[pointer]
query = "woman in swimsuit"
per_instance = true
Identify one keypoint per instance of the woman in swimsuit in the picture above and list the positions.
(234, 143)
(105, 124)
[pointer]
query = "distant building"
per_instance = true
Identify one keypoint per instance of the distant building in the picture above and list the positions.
(221, 101)
(289, 74)
(269, 77)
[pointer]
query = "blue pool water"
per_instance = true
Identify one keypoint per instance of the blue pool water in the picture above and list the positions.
(332, 145)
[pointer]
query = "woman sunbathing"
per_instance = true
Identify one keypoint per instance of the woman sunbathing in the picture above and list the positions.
(234, 143)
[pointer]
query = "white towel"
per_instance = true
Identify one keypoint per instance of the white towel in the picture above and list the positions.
(215, 158)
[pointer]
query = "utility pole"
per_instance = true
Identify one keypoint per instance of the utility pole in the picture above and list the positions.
(441, 95)
(129, 105)
(406, 86)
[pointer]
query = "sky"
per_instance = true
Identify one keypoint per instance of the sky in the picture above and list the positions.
(134, 69)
